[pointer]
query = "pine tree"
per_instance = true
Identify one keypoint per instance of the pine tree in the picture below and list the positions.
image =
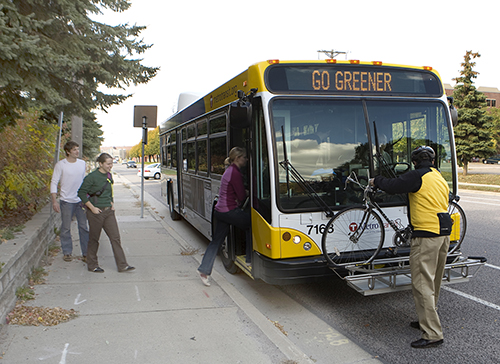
(472, 134)
(54, 57)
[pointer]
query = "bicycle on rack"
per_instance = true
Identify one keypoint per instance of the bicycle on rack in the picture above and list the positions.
(355, 236)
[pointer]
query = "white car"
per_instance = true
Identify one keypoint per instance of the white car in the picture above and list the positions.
(151, 171)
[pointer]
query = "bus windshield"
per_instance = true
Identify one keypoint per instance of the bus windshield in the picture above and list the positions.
(326, 140)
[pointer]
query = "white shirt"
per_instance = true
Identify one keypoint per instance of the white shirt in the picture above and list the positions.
(71, 176)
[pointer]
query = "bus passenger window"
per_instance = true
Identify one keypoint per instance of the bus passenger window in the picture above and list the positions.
(173, 150)
(191, 153)
(202, 155)
(218, 154)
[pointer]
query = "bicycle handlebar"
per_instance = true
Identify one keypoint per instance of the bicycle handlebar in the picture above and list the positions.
(366, 188)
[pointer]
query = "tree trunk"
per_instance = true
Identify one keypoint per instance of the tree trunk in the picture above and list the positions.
(465, 169)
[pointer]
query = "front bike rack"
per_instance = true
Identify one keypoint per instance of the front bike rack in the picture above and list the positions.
(393, 274)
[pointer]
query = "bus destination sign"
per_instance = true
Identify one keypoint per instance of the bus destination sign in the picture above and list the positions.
(352, 80)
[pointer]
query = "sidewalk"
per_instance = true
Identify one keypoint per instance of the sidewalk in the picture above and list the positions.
(159, 313)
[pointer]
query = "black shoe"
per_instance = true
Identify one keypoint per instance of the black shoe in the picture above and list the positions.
(98, 270)
(422, 343)
(128, 269)
(415, 324)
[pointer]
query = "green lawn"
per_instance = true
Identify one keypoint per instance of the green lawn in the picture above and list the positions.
(483, 179)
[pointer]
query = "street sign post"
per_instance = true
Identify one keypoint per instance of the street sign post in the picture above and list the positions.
(144, 117)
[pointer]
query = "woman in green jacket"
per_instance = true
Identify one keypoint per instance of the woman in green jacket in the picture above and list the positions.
(96, 193)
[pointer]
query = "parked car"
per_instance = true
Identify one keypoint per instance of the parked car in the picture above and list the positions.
(151, 171)
(492, 160)
(131, 164)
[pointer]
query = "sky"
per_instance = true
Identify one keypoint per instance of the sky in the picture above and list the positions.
(200, 44)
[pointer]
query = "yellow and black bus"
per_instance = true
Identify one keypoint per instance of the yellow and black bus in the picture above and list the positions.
(328, 119)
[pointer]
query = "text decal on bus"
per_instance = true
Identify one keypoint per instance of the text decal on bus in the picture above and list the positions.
(352, 81)
(348, 79)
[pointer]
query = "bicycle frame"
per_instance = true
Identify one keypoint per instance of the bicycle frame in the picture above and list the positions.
(403, 236)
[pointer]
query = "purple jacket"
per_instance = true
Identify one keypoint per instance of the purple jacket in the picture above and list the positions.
(232, 191)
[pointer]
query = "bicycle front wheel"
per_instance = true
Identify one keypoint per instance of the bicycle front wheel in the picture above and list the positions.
(353, 236)
(459, 226)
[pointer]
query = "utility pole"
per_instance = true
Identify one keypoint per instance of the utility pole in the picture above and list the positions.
(333, 53)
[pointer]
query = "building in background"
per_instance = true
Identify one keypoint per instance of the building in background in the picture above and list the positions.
(492, 94)
(116, 152)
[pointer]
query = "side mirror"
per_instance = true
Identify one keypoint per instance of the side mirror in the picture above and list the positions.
(454, 116)
(240, 114)
(453, 112)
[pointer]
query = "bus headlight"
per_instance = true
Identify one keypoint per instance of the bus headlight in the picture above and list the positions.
(307, 246)
(286, 236)
(296, 239)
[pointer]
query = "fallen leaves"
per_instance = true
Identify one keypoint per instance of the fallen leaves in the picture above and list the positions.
(189, 250)
(36, 316)
(280, 327)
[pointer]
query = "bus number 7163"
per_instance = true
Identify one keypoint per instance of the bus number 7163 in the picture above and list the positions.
(319, 229)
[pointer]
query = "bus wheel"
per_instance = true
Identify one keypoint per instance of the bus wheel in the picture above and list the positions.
(229, 264)
(174, 215)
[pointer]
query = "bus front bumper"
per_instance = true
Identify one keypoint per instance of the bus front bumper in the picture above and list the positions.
(290, 271)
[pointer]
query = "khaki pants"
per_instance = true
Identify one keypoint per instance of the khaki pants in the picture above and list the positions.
(427, 262)
(105, 220)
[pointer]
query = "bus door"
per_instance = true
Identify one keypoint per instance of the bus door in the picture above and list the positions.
(240, 136)
(180, 194)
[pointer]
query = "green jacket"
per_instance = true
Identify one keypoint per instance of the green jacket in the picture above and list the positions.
(92, 184)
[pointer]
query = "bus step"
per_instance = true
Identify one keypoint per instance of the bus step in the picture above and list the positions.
(392, 279)
(240, 262)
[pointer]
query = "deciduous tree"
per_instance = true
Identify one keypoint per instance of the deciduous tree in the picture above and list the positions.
(26, 158)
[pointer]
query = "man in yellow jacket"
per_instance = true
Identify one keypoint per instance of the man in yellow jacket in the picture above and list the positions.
(428, 195)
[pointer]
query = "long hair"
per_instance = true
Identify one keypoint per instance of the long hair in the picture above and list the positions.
(235, 153)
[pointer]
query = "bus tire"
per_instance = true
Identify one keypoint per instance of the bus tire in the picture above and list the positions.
(174, 215)
(229, 264)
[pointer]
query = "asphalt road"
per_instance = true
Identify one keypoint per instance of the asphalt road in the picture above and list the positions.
(469, 312)
(481, 168)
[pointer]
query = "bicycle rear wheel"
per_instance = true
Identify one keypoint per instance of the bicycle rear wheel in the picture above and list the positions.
(353, 236)
(458, 231)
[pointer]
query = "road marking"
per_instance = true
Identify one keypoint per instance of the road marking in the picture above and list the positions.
(64, 354)
(77, 298)
(137, 293)
(475, 299)
(491, 266)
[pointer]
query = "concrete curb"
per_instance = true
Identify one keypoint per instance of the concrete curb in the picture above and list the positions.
(477, 185)
(23, 253)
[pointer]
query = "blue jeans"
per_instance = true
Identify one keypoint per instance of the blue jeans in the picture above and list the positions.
(236, 217)
(68, 210)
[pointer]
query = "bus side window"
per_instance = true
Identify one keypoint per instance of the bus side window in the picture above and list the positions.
(217, 144)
